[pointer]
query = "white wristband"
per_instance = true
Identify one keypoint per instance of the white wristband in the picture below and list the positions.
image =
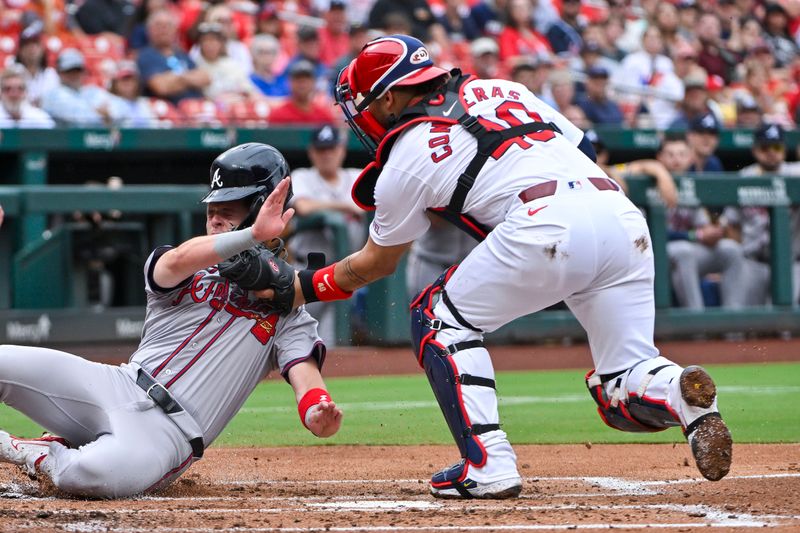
(226, 245)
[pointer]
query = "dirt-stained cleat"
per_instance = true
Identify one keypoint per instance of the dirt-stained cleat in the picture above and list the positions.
(453, 483)
(708, 436)
(26, 453)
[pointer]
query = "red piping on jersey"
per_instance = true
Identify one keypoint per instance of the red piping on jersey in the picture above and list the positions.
(199, 328)
(171, 472)
(201, 352)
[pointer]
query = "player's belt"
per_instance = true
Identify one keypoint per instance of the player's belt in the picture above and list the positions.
(548, 188)
(167, 403)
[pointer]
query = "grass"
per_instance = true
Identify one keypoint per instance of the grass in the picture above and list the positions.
(759, 402)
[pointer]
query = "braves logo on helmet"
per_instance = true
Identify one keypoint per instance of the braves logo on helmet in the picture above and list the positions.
(383, 63)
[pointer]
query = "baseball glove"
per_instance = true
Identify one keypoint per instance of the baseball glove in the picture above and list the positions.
(262, 268)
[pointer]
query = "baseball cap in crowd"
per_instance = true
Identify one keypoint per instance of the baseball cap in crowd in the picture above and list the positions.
(746, 102)
(70, 59)
(269, 11)
(338, 4)
(210, 27)
(307, 33)
(596, 71)
(325, 137)
(591, 47)
(774, 8)
(125, 68)
(301, 67)
(768, 134)
(695, 81)
(706, 123)
(31, 32)
(483, 45)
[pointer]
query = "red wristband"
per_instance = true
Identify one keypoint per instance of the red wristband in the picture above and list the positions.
(309, 400)
(325, 286)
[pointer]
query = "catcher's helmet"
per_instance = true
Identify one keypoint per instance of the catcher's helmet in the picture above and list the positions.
(383, 63)
(245, 171)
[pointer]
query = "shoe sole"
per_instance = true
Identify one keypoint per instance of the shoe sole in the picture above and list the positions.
(711, 441)
(503, 490)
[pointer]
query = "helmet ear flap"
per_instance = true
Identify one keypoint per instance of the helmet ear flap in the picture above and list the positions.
(255, 207)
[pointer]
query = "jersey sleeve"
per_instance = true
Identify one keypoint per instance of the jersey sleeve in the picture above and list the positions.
(570, 131)
(296, 340)
(150, 284)
(401, 199)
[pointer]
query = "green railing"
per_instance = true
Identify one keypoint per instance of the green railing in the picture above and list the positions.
(171, 214)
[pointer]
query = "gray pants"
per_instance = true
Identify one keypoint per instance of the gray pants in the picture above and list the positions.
(123, 444)
(757, 283)
(691, 261)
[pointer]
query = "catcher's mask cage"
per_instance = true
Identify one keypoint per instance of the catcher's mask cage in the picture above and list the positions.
(248, 171)
(383, 63)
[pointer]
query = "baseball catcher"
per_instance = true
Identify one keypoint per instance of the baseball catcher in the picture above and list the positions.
(207, 341)
(492, 158)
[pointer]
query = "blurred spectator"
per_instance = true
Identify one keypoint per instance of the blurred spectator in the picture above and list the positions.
(576, 115)
(485, 59)
(647, 167)
(41, 79)
(688, 13)
(418, 13)
(564, 34)
(333, 37)
(325, 187)
(136, 30)
(714, 55)
(695, 102)
(748, 114)
(268, 23)
(222, 15)
(776, 34)
(229, 81)
(302, 107)
(599, 108)
(685, 63)
(751, 225)
(441, 247)
(458, 21)
(591, 55)
(667, 21)
(532, 73)
(308, 50)
(358, 36)
(98, 16)
(2, 215)
(641, 72)
(134, 110)
(264, 49)
(697, 244)
(16, 111)
(166, 71)
(519, 37)
(562, 90)
(74, 103)
(703, 138)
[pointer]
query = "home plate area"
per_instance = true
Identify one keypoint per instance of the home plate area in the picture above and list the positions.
(384, 488)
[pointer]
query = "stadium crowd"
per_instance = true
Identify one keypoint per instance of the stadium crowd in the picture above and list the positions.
(161, 63)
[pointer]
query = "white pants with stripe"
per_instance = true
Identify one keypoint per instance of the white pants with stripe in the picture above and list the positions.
(122, 443)
(587, 247)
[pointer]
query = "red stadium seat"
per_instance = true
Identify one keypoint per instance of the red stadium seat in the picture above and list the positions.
(200, 112)
(249, 113)
(166, 114)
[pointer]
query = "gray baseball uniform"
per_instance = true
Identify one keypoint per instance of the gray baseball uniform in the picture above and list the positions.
(206, 341)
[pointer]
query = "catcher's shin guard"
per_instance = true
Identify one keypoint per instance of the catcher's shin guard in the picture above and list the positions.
(633, 410)
(443, 373)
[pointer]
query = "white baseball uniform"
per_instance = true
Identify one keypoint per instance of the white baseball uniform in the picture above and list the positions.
(207, 341)
(586, 246)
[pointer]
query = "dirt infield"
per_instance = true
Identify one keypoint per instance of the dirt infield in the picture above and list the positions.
(351, 488)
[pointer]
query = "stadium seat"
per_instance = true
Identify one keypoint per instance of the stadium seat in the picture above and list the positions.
(249, 113)
(166, 114)
(200, 112)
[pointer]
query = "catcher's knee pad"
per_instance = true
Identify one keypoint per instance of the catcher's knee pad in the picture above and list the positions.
(443, 374)
(633, 410)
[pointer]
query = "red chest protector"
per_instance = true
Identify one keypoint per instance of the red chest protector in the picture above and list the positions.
(445, 106)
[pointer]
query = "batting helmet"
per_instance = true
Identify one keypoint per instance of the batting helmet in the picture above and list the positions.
(248, 171)
(383, 63)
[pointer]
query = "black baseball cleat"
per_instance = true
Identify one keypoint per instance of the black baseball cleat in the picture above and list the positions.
(708, 436)
(453, 483)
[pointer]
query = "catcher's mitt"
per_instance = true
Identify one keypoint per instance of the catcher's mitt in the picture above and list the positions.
(262, 268)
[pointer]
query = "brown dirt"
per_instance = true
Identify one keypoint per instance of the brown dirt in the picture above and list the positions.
(346, 488)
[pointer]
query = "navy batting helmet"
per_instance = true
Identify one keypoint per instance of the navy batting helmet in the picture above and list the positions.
(248, 171)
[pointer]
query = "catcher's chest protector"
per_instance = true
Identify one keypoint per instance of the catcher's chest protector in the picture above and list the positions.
(440, 107)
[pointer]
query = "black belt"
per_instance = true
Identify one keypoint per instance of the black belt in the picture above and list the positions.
(167, 403)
